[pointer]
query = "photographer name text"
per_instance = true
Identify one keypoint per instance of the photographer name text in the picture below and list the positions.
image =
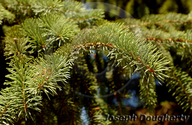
(160, 118)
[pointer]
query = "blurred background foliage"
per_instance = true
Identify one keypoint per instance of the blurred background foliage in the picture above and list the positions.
(139, 8)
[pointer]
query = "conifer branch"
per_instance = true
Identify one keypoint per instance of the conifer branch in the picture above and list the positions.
(5, 15)
(182, 87)
(180, 81)
(169, 39)
(5, 109)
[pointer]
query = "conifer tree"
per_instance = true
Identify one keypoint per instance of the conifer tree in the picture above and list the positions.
(56, 61)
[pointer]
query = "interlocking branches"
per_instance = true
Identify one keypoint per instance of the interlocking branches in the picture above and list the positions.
(128, 51)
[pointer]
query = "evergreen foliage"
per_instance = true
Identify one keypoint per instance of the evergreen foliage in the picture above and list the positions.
(53, 75)
(5, 15)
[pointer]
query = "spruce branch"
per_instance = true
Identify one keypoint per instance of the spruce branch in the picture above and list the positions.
(129, 51)
(47, 6)
(72, 9)
(58, 28)
(16, 44)
(180, 85)
(20, 8)
(46, 35)
(47, 72)
(26, 101)
(32, 30)
(147, 91)
(5, 15)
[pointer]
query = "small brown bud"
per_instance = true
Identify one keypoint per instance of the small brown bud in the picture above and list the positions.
(15, 39)
(169, 39)
(43, 46)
